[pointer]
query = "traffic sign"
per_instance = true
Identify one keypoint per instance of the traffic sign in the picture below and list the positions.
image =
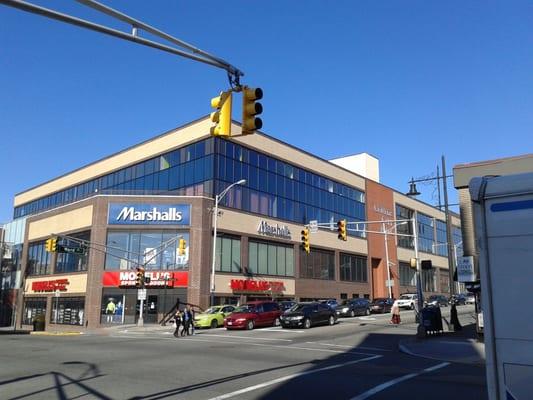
(389, 283)
(74, 250)
(141, 294)
(465, 269)
(313, 226)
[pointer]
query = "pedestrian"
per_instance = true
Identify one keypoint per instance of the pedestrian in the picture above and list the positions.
(177, 321)
(191, 314)
(395, 311)
(186, 320)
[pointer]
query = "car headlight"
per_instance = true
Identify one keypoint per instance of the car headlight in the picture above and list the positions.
(345, 309)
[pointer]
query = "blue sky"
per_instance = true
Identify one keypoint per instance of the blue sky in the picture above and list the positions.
(406, 81)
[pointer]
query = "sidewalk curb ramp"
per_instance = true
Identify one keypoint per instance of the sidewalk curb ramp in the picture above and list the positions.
(466, 351)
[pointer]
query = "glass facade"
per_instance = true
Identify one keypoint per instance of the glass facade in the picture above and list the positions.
(71, 262)
(153, 249)
(407, 275)
(403, 213)
(319, 264)
(353, 268)
(38, 259)
(273, 187)
(425, 233)
(68, 310)
(269, 258)
(441, 247)
(228, 254)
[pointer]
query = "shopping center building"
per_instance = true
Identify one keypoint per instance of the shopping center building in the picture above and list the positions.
(132, 207)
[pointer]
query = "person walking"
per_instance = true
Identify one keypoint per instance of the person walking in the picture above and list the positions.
(395, 311)
(177, 321)
(191, 314)
(186, 321)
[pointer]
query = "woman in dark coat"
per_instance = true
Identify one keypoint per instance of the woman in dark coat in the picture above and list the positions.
(177, 319)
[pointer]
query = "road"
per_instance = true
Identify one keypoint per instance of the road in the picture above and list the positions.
(358, 358)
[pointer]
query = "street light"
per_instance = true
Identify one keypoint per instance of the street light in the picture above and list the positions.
(218, 197)
(449, 237)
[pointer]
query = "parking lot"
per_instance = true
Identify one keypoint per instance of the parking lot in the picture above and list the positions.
(355, 359)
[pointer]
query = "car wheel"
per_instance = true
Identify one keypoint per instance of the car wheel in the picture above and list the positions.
(307, 323)
(352, 313)
(214, 324)
(331, 320)
(367, 311)
(277, 322)
(250, 325)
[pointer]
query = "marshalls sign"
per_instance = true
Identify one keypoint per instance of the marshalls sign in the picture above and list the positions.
(153, 214)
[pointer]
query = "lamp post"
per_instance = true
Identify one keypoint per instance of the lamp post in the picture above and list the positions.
(449, 236)
(218, 197)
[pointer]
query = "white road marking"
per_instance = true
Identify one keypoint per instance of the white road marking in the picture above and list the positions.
(350, 347)
(245, 337)
(285, 378)
(390, 383)
(366, 318)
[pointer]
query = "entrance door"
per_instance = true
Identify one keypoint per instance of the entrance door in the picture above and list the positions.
(149, 310)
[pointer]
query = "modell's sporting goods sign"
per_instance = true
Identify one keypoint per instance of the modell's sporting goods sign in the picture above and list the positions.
(149, 214)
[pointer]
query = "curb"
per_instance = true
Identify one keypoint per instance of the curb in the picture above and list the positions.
(45, 333)
(404, 349)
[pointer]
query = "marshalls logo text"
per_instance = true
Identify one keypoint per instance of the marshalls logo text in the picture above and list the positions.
(129, 214)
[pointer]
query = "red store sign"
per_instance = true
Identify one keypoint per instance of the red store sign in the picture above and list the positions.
(50, 286)
(247, 285)
(157, 279)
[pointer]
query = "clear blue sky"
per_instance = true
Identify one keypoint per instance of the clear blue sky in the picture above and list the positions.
(406, 81)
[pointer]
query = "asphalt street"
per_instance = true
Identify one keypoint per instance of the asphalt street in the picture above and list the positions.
(357, 358)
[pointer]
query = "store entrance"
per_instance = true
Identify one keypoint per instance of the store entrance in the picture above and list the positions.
(149, 310)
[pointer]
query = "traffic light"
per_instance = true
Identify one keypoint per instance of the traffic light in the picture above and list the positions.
(305, 240)
(341, 229)
(426, 264)
(221, 117)
(251, 108)
(412, 263)
(51, 245)
(139, 281)
(181, 247)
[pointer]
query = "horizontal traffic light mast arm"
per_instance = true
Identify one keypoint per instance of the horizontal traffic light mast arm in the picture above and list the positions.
(197, 54)
(355, 226)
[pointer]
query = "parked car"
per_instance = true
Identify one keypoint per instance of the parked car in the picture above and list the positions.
(353, 307)
(407, 300)
(213, 317)
(252, 314)
(381, 305)
(470, 299)
(284, 305)
(308, 314)
(458, 299)
(330, 302)
(437, 300)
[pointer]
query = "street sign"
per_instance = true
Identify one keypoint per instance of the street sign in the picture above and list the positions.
(389, 283)
(313, 226)
(74, 250)
(141, 294)
(465, 269)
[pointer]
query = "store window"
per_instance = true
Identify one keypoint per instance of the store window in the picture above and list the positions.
(407, 275)
(38, 260)
(154, 249)
(353, 268)
(33, 307)
(68, 310)
(319, 264)
(267, 258)
(72, 262)
(228, 254)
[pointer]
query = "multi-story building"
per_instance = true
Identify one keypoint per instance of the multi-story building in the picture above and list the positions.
(133, 206)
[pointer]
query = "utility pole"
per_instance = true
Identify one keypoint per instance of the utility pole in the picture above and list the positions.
(449, 236)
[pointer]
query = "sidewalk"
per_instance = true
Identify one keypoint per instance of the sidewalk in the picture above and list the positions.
(463, 346)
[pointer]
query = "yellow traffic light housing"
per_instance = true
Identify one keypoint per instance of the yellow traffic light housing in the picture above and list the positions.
(139, 281)
(305, 240)
(181, 247)
(341, 229)
(51, 245)
(251, 108)
(221, 117)
(412, 263)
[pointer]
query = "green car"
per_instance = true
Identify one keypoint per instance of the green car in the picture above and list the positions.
(213, 317)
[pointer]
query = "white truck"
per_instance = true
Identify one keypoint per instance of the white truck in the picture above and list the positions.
(503, 221)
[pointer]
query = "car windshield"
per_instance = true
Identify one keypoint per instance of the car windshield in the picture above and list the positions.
(298, 307)
(212, 310)
(245, 308)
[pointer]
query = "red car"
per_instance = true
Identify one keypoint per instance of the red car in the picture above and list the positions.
(252, 314)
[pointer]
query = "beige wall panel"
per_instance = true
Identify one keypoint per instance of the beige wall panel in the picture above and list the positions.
(69, 221)
(222, 283)
(76, 284)
(404, 255)
(143, 151)
(462, 173)
(249, 224)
